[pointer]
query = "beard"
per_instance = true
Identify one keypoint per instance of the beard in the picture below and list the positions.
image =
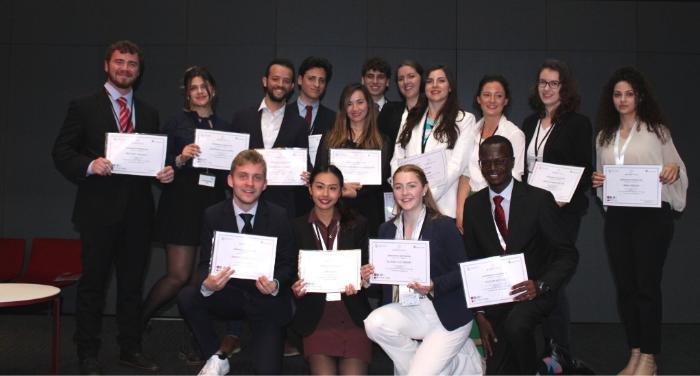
(275, 98)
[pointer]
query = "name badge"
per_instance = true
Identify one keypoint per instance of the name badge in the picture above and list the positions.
(207, 180)
(407, 297)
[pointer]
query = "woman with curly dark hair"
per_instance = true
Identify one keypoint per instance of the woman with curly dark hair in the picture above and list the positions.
(438, 124)
(632, 130)
(557, 134)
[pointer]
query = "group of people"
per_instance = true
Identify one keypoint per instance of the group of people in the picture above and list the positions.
(483, 207)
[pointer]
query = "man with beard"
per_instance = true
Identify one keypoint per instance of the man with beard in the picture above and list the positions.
(112, 212)
(270, 126)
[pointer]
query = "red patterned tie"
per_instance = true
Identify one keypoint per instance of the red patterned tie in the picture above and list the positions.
(500, 215)
(309, 115)
(125, 125)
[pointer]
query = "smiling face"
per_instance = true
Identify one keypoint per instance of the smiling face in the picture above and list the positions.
(437, 86)
(248, 182)
(278, 83)
(199, 93)
(496, 165)
(376, 83)
(408, 191)
(357, 107)
(492, 99)
(325, 190)
(312, 85)
(122, 69)
(624, 98)
(549, 95)
(408, 81)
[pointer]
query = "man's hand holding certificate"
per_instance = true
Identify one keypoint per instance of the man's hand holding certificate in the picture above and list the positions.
(284, 166)
(561, 180)
(249, 256)
(329, 272)
(491, 280)
(433, 163)
(400, 262)
(632, 185)
(217, 148)
(359, 165)
(136, 154)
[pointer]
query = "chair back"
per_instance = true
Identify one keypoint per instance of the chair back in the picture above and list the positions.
(12, 256)
(54, 262)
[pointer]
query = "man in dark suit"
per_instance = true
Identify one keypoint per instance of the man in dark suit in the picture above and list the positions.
(315, 74)
(270, 126)
(265, 303)
(376, 75)
(112, 212)
(509, 217)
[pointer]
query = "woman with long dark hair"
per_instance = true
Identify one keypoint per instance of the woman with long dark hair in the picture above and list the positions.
(632, 131)
(429, 337)
(409, 80)
(332, 330)
(556, 133)
(356, 128)
(438, 124)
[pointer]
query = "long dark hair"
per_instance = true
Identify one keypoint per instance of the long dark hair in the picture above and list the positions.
(203, 73)
(648, 110)
(432, 210)
(341, 132)
(419, 69)
(346, 215)
(447, 130)
(568, 91)
(488, 79)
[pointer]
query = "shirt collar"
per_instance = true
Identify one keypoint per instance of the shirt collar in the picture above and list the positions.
(263, 107)
(506, 193)
(238, 210)
(381, 102)
(313, 218)
(302, 105)
(114, 94)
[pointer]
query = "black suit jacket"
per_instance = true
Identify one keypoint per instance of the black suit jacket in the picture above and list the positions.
(446, 252)
(533, 228)
(292, 134)
(389, 122)
(270, 220)
(353, 235)
(101, 200)
(325, 118)
(570, 143)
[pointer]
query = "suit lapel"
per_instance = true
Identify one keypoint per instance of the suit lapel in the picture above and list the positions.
(107, 112)
(260, 227)
(517, 210)
(484, 211)
(229, 216)
(256, 130)
(284, 132)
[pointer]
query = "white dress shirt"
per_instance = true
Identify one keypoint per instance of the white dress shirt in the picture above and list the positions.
(270, 123)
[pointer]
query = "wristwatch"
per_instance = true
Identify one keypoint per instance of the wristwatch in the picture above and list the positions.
(543, 287)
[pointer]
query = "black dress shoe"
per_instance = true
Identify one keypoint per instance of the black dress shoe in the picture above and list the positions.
(90, 366)
(138, 360)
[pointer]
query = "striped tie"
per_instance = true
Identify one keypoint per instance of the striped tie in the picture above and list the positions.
(124, 116)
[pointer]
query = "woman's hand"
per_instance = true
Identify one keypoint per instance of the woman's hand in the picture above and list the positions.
(305, 177)
(597, 179)
(421, 289)
(188, 152)
(350, 189)
(350, 290)
(366, 271)
(670, 173)
(299, 289)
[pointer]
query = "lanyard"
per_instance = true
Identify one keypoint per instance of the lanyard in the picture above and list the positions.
(620, 154)
(417, 230)
(317, 232)
(481, 133)
(424, 140)
(538, 142)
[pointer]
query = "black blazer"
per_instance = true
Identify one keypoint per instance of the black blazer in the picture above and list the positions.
(389, 122)
(446, 252)
(270, 220)
(353, 235)
(533, 228)
(570, 143)
(101, 200)
(292, 134)
(325, 118)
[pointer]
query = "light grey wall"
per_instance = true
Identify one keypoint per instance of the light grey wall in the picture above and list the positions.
(52, 51)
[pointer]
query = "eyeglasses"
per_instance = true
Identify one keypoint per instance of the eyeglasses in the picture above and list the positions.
(554, 84)
(499, 162)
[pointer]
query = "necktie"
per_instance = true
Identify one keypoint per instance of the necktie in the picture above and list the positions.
(247, 226)
(125, 125)
(500, 215)
(309, 115)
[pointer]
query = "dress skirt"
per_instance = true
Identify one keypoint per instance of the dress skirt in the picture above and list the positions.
(338, 336)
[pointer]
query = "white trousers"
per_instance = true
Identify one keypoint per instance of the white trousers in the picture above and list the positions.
(397, 330)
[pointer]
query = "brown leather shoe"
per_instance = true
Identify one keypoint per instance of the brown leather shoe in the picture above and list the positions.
(230, 345)
(631, 363)
(138, 360)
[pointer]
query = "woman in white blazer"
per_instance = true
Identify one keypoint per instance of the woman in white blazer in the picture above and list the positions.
(438, 124)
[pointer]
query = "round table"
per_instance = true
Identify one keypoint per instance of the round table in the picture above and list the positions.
(23, 294)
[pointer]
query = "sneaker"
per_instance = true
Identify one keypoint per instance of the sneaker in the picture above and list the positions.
(215, 366)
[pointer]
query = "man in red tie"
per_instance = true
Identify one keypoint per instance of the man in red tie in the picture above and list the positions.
(113, 213)
(315, 74)
(510, 217)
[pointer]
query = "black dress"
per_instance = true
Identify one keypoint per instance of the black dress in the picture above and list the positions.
(182, 203)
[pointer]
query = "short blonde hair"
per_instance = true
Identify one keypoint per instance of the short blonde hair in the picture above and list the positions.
(249, 156)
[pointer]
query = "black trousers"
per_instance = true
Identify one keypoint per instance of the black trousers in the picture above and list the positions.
(514, 324)
(126, 246)
(637, 240)
(267, 336)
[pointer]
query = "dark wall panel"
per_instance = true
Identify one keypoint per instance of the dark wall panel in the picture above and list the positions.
(62, 22)
(321, 23)
(230, 22)
(148, 22)
(412, 24)
(501, 25)
(668, 26)
(4, 141)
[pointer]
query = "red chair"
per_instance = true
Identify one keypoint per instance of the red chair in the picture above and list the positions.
(12, 256)
(54, 262)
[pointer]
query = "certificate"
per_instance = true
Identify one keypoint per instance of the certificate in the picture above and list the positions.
(314, 141)
(362, 166)
(434, 164)
(490, 280)
(632, 185)
(217, 148)
(400, 262)
(328, 272)
(250, 256)
(561, 180)
(388, 205)
(284, 166)
(135, 153)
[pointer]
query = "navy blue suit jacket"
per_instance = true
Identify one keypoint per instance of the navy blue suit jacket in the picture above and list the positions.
(325, 118)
